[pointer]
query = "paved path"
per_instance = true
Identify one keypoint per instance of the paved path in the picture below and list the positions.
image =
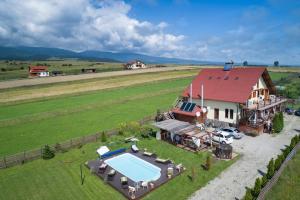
(56, 79)
(256, 153)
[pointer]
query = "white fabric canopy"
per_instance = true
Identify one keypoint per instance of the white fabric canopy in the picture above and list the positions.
(102, 150)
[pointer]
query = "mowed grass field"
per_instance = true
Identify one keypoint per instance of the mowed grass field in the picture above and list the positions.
(59, 178)
(28, 125)
(19, 69)
(288, 185)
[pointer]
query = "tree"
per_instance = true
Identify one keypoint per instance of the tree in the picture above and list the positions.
(271, 169)
(278, 162)
(208, 162)
(47, 153)
(264, 180)
(245, 63)
(278, 122)
(248, 195)
(276, 63)
(103, 137)
(257, 187)
(193, 173)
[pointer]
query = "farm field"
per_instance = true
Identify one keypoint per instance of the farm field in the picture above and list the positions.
(50, 90)
(288, 185)
(59, 178)
(29, 125)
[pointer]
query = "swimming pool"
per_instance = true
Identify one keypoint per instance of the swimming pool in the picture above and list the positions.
(134, 168)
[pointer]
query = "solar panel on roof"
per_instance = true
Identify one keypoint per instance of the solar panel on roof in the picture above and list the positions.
(192, 107)
(183, 105)
(187, 106)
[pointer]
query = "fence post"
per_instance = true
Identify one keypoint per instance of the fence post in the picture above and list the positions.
(24, 156)
(71, 143)
(4, 160)
(41, 152)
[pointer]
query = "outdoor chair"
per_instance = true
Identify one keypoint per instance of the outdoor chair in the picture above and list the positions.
(170, 172)
(111, 174)
(102, 167)
(134, 148)
(179, 167)
(124, 182)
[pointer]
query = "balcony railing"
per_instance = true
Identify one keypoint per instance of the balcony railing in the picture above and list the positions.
(264, 104)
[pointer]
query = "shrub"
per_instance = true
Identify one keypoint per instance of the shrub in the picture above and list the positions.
(103, 137)
(264, 180)
(278, 122)
(278, 162)
(271, 169)
(248, 195)
(257, 188)
(47, 153)
(293, 142)
(286, 151)
(208, 162)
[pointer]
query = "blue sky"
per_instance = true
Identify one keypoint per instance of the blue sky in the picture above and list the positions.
(256, 31)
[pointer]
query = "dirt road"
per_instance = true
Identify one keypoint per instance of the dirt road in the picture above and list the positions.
(255, 155)
(57, 79)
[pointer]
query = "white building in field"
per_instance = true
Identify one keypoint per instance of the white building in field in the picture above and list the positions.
(240, 96)
(136, 64)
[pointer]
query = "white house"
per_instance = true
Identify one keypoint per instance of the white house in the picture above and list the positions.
(136, 64)
(241, 96)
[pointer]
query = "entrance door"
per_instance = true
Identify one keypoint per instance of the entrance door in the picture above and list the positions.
(216, 113)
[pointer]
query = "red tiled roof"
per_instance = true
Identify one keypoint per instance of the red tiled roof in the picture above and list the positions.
(35, 69)
(193, 113)
(231, 86)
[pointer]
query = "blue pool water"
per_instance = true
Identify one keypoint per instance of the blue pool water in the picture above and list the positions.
(134, 168)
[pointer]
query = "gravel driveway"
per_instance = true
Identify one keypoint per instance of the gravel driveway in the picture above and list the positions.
(255, 155)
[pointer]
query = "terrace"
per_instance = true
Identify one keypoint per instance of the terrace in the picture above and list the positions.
(133, 189)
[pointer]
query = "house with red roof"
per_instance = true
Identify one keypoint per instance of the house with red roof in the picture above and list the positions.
(38, 71)
(234, 96)
(136, 64)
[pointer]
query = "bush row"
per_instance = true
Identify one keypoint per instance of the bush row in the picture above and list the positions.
(273, 166)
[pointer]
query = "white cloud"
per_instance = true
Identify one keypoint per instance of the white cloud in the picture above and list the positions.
(81, 25)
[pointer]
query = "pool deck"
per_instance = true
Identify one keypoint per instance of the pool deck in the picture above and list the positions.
(116, 183)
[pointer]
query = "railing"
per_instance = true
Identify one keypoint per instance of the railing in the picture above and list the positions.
(263, 103)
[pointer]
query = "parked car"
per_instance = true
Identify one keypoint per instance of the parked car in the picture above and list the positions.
(222, 137)
(234, 132)
(289, 111)
(297, 112)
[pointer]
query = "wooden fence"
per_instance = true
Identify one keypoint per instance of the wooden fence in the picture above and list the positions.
(277, 174)
(26, 156)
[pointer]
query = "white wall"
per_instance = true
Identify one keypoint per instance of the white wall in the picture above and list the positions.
(221, 105)
(261, 85)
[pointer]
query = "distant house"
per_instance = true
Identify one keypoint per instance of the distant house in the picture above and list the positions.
(88, 70)
(136, 64)
(38, 71)
(236, 96)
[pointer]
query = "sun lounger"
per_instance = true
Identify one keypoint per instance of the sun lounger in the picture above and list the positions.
(164, 161)
(147, 153)
(134, 148)
(128, 139)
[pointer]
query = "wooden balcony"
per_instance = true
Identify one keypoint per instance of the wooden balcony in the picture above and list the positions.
(266, 104)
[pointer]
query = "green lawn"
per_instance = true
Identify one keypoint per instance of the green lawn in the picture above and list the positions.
(25, 126)
(59, 178)
(288, 185)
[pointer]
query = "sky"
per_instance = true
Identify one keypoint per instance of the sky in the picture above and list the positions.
(208, 30)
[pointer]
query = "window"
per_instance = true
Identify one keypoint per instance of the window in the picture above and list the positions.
(254, 94)
(226, 113)
(216, 114)
(231, 113)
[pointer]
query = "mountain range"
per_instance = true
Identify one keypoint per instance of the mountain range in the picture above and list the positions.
(43, 53)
